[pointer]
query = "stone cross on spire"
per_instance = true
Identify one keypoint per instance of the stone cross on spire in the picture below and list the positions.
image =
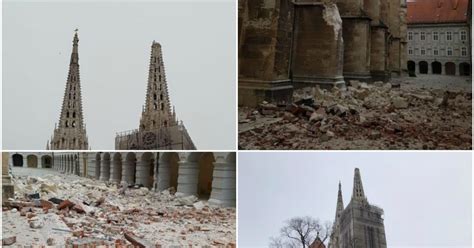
(70, 134)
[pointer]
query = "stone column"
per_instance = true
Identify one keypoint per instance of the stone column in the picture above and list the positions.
(97, 167)
(430, 68)
(7, 186)
(90, 165)
(417, 67)
(188, 177)
(115, 170)
(142, 174)
(105, 169)
(224, 183)
(162, 175)
(456, 69)
(128, 171)
(25, 160)
(443, 72)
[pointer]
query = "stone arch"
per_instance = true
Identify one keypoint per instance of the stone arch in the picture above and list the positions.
(32, 161)
(97, 166)
(116, 168)
(206, 169)
(197, 175)
(167, 172)
(46, 161)
(411, 66)
(129, 168)
(450, 68)
(17, 160)
(105, 167)
(436, 67)
(464, 69)
(423, 67)
(145, 170)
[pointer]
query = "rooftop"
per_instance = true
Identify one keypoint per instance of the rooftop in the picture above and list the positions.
(437, 11)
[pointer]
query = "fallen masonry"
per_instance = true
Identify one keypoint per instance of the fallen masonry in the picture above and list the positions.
(361, 116)
(64, 210)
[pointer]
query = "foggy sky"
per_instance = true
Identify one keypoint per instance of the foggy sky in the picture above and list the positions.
(198, 43)
(426, 196)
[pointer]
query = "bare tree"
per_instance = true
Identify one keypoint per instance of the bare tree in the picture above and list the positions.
(301, 232)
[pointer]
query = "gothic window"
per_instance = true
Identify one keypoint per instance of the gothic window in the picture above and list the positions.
(153, 123)
(371, 238)
(410, 36)
(161, 96)
(154, 97)
(160, 87)
(73, 124)
(435, 36)
(74, 96)
(463, 35)
(463, 51)
(162, 106)
(67, 114)
(155, 106)
(73, 114)
(166, 123)
(422, 36)
(67, 123)
(159, 69)
(160, 78)
(449, 36)
(69, 96)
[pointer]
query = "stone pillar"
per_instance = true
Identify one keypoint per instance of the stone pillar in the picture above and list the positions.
(430, 68)
(115, 170)
(188, 177)
(128, 171)
(443, 72)
(25, 161)
(224, 183)
(456, 69)
(7, 186)
(105, 168)
(162, 175)
(90, 165)
(417, 67)
(97, 167)
(143, 172)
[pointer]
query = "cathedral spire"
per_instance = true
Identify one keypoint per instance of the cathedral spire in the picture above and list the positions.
(70, 134)
(358, 189)
(157, 112)
(340, 204)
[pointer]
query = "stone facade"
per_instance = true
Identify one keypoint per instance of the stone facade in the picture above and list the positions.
(286, 44)
(8, 189)
(360, 224)
(31, 159)
(70, 133)
(159, 128)
(208, 175)
(439, 37)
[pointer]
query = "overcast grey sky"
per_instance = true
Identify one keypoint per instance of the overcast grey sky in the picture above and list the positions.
(426, 196)
(198, 42)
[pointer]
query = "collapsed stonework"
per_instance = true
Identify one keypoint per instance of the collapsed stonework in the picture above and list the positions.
(402, 115)
(160, 200)
(290, 44)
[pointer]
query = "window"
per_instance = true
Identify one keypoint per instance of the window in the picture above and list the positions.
(463, 35)
(67, 114)
(162, 106)
(463, 51)
(410, 52)
(154, 97)
(435, 36)
(410, 36)
(422, 36)
(449, 36)
(435, 52)
(422, 51)
(159, 77)
(73, 114)
(73, 123)
(450, 51)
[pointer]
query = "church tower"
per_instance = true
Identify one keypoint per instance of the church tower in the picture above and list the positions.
(360, 224)
(70, 133)
(159, 128)
(157, 112)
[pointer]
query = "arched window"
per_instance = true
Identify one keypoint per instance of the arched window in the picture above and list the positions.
(153, 123)
(73, 114)
(67, 124)
(161, 96)
(162, 106)
(159, 77)
(154, 106)
(67, 114)
(154, 97)
(73, 124)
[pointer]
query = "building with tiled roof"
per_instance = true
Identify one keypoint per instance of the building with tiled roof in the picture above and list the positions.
(439, 37)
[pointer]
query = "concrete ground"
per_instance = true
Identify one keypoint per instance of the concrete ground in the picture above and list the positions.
(111, 212)
(443, 82)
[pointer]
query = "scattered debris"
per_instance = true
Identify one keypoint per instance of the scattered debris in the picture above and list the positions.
(362, 116)
(81, 212)
(9, 240)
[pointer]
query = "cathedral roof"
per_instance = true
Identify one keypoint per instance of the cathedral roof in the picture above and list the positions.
(437, 11)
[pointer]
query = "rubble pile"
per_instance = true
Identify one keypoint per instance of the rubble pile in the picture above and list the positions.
(71, 211)
(362, 116)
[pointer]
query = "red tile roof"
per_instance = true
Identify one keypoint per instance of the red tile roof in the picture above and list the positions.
(437, 11)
